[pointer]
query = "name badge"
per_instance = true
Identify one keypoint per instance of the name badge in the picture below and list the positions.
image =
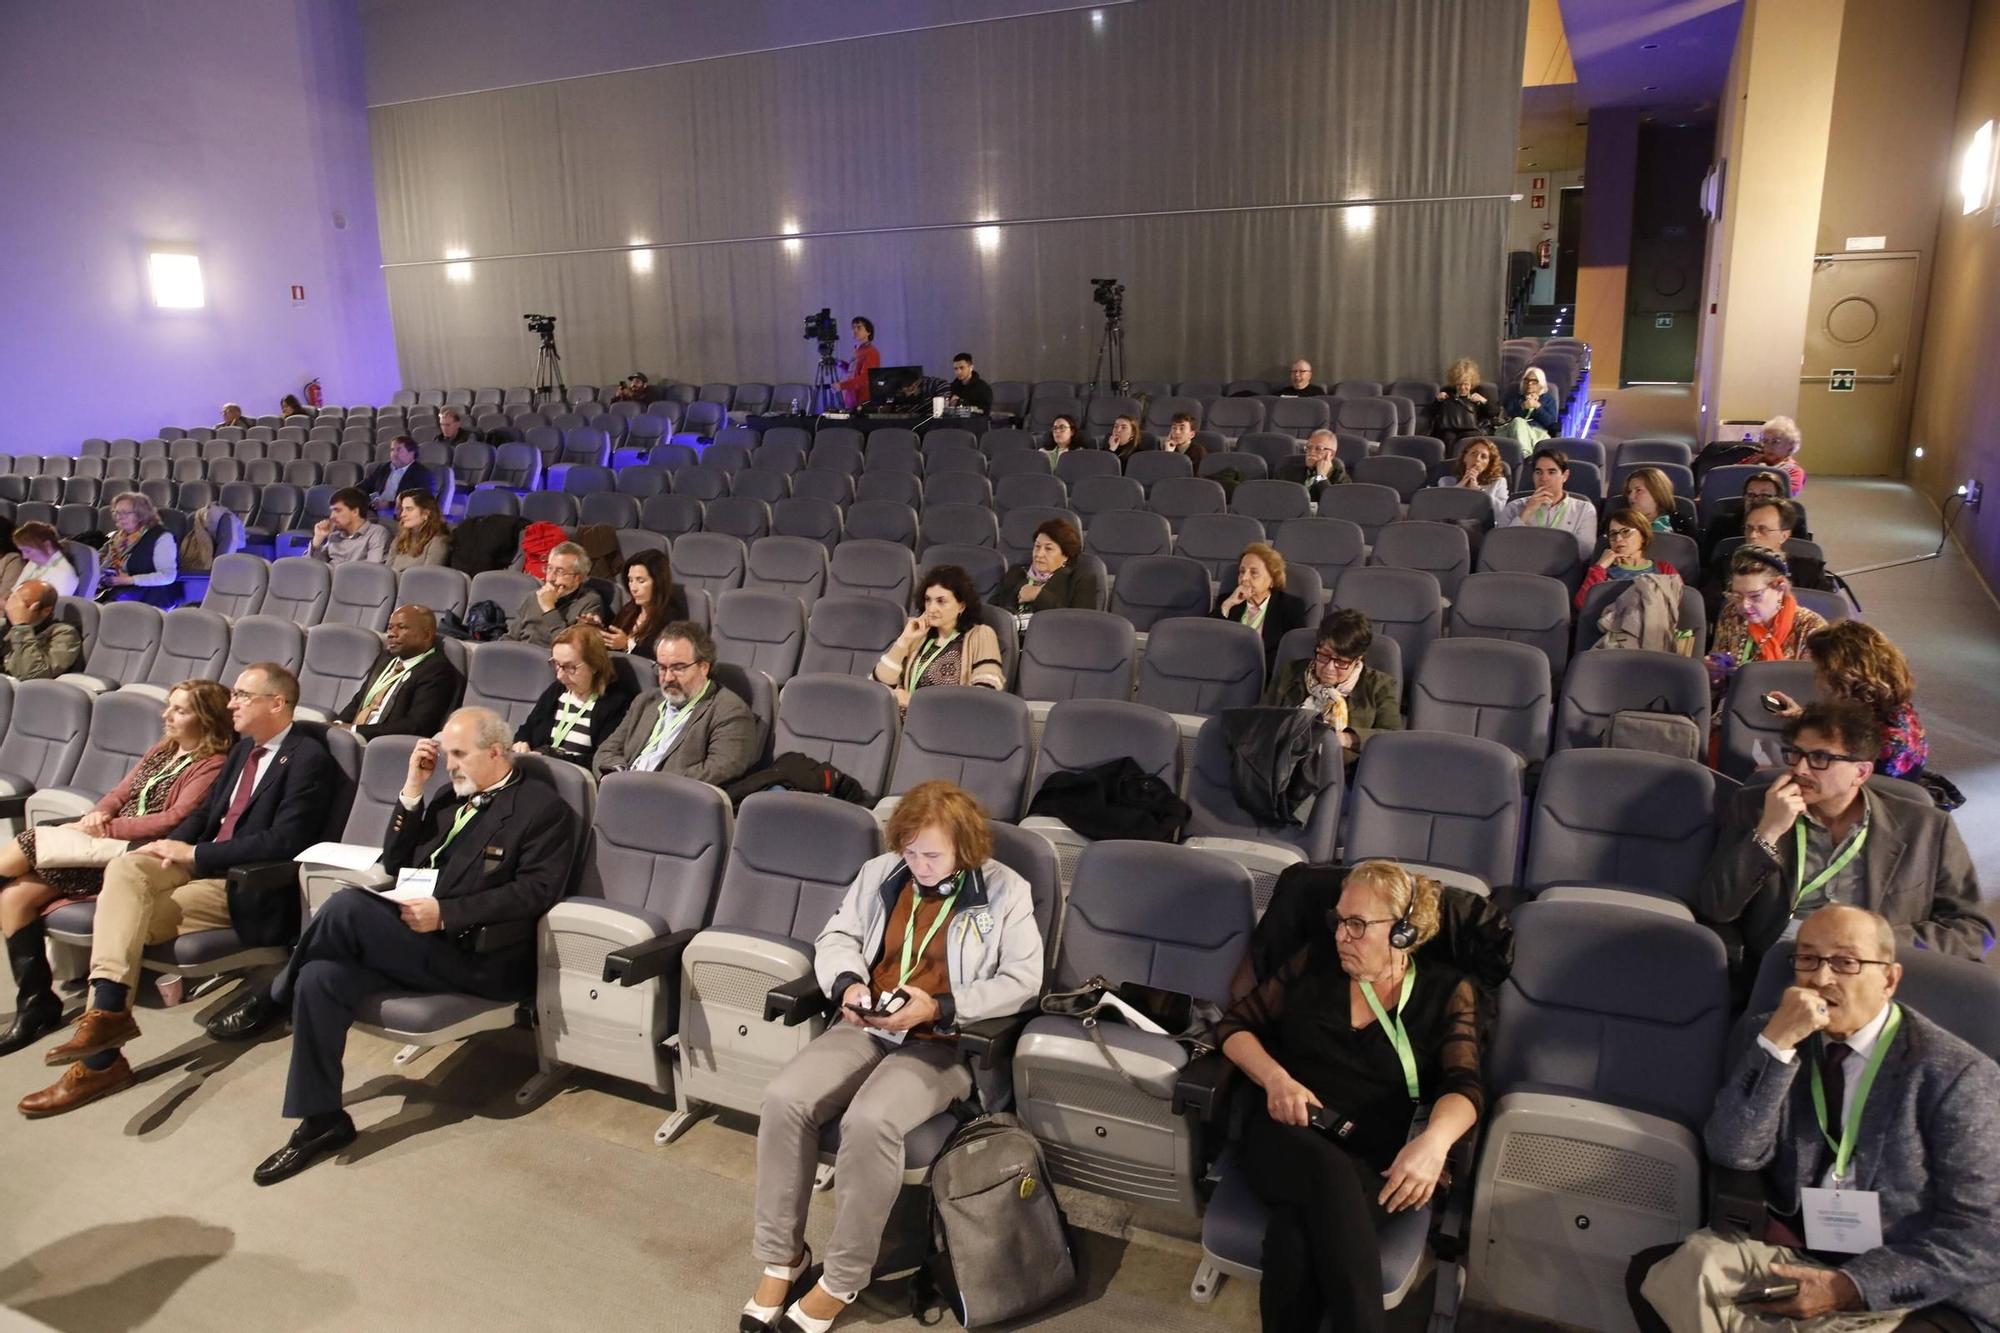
(414, 883)
(1842, 1221)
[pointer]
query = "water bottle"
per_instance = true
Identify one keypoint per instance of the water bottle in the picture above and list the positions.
(795, 404)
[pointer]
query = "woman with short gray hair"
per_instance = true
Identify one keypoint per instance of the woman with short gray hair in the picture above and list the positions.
(1780, 441)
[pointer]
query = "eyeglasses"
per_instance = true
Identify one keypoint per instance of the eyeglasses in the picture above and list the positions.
(1616, 533)
(676, 668)
(1805, 964)
(565, 668)
(566, 571)
(1817, 760)
(1324, 658)
(1354, 927)
(245, 696)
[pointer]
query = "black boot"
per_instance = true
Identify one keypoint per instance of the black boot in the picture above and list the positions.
(37, 1011)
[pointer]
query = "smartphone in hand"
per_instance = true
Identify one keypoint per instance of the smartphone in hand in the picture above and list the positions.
(1758, 1293)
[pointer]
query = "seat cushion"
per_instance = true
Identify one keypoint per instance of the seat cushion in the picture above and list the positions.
(412, 1011)
(920, 1146)
(72, 918)
(15, 784)
(1232, 1229)
(208, 948)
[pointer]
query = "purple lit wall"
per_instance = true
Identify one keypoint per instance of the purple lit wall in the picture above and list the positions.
(237, 128)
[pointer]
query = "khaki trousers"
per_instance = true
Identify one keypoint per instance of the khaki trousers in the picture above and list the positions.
(146, 901)
(1694, 1290)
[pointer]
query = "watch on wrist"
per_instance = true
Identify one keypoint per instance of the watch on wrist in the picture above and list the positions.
(1766, 846)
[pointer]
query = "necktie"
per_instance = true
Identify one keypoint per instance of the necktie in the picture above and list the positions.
(245, 786)
(1833, 1074)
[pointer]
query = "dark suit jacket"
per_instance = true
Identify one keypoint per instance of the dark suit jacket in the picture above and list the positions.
(1070, 586)
(420, 704)
(285, 816)
(1918, 874)
(510, 863)
(1928, 1144)
(416, 477)
(1286, 612)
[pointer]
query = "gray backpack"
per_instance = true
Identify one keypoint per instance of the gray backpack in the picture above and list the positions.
(1002, 1247)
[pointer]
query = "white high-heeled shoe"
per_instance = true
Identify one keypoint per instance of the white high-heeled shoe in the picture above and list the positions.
(798, 1321)
(760, 1318)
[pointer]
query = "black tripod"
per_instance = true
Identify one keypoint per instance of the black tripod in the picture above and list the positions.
(1111, 350)
(826, 395)
(547, 376)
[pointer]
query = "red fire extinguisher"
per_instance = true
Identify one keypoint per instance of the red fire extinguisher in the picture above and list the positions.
(1544, 253)
(313, 394)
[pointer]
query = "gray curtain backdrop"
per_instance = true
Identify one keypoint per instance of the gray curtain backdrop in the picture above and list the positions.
(1269, 178)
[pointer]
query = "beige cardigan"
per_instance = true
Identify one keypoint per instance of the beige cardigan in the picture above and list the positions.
(979, 663)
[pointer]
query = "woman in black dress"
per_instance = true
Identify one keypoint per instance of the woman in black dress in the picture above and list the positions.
(1352, 1023)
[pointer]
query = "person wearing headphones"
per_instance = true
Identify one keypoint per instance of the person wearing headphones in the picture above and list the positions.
(1351, 1022)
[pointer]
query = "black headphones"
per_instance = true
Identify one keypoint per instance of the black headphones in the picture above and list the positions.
(1403, 931)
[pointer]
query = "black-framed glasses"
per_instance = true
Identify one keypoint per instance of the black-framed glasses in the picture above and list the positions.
(565, 668)
(245, 696)
(1324, 657)
(676, 668)
(1805, 964)
(1817, 760)
(1354, 927)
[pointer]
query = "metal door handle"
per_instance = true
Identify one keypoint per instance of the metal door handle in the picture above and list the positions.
(1896, 364)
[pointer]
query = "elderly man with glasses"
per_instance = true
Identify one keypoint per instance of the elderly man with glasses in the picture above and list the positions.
(1819, 834)
(1875, 1132)
(691, 726)
(563, 599)
(269, 803)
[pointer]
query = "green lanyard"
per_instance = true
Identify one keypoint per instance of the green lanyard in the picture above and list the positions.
(568, 721)
(922, 661)
(164, 775)
(677, 716)
(910, 928)
(1850, 1131)
(1393, 1029)
(392, 673)
(464, 816)
(1802, 890)
(1553, 513)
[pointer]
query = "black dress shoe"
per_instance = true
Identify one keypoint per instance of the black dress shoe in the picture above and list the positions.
(252, 1018)
(302, 1150)
(34, 1020)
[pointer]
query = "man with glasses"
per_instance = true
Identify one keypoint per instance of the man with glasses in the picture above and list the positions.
(1769, 523)
(268, 804)
(1875, 1132)
(562, 600)
(476, 866)
(1818, 834)
(691, 727)
(1323, 465)
(1299, 382)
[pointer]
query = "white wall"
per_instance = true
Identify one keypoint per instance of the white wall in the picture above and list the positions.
(237, 127)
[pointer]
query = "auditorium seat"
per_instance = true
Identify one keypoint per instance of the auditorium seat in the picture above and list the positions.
(737, 516)
(843, 720)
(1079, 465)
(866, 567)
(1299, 417)
(1195, 668)
(815, 518)
(1272, 503)
(128, 638)
(1219, 822)
(1439, 549)
(1152, 588)
(1601, 1069)
(1030, 489)
(1531, 550)
(1488, 688)
(337, 660)
(1523, 608)
(364, 594)
(712, 561)
(985, 566)
(492, 501)
(1405, 604)
(1071, 653)
(45, 738)
(960, 487)
(760, 630)
(903, 488)
(671, 516)
(962, 525)
(792, 565)
(1693, 615)
(1369, 506)
(1171, 917)
(1018, 525)
(730, 450)
(1426, 449)
(264, 638)
(1081, 733)
(550, 507)
(506, 676)
(1622, 819)
(608, 508)
(1447, 805)
(1751, 733)
(886, 521)
(1154, 466)
(977, 738)
(236, 585)
(1117, 535)
(298, 590)
(1177, 499)
(702, 481)
(847, 634)
(1405, 476)
(1599, 685)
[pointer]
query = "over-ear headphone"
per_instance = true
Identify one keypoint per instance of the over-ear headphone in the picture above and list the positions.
(1403, 931)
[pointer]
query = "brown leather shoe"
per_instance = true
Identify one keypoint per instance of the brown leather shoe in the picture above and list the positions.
(97, 1031)
(79, 1086)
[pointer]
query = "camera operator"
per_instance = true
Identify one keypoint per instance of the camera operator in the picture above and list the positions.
(866, 358)
(635, 389)
(967, 389)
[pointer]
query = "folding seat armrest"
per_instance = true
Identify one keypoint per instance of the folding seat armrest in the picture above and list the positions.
(796, 1001)
(990, 1040)
(497, 935)
(1451, 1216)
(1200, 1089)
(263, 876)
(641, 963)
(1736, 1202)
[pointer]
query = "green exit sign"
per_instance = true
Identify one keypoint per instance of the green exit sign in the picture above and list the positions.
(1840, 381)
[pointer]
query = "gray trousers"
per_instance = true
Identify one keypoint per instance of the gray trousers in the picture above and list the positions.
(879, 1093)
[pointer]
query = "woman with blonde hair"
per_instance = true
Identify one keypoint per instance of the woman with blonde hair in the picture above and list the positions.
(1649, 491)
(1460, 409)
(931, 935)
(1351, 1023)
(1479, 467)
(140, 561)
(1853, 660)
(53, 864)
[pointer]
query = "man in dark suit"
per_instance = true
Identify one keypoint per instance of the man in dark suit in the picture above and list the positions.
(1818, 834)
(411, 686)
(268, 804)
(492, 851)
(401, 473)
(1845, 1090)
(1323, 465)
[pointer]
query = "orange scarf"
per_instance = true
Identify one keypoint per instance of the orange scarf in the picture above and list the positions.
(1770, 639)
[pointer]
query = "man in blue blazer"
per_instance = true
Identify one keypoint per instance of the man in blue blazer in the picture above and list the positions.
(269, 804)
(1852, 1106)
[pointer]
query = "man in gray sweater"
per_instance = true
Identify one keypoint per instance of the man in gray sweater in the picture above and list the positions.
(563, 599)
(39, 647)
(1877, 1134)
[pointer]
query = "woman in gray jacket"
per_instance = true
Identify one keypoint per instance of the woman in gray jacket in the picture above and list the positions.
(933, 934)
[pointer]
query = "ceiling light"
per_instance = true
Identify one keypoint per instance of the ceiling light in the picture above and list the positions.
(1975, 170)
(176, 281)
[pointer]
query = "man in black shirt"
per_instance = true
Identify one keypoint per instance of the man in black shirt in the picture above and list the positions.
(967, 389)
(1301, 383)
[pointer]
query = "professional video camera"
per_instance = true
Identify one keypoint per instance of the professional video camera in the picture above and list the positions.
(820, 327)
(1109, 293)
(545, 325)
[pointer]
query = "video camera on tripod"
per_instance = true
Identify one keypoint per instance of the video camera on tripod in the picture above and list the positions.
(823, 330)
(547, 376)
(1110, 367)
(1109, 293)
